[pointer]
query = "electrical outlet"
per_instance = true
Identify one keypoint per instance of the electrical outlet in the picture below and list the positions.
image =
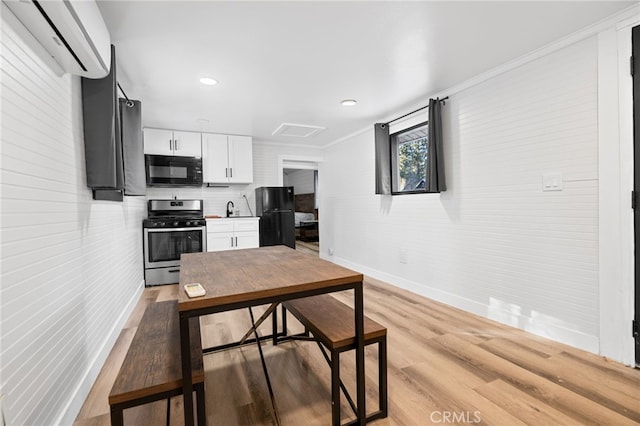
(552, 182)
(330, 251)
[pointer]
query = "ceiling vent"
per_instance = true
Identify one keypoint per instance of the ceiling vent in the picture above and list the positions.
(297, 130)
(72, 31)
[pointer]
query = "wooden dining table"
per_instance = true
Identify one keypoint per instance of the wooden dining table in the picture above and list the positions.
(239, 279)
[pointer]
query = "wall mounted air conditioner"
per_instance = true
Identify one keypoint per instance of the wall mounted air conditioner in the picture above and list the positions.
(72, 32)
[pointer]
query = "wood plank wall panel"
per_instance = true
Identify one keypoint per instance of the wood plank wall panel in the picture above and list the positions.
(305, 203)
(70, 266)
(494, 243)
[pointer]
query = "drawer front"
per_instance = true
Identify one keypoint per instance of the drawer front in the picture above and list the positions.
(219, 225)
(242, 225)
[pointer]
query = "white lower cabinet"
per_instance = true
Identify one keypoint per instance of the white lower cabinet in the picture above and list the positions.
(232, 234)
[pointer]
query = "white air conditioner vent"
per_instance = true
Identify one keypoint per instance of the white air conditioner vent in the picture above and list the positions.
(72, 31)
(297, 130)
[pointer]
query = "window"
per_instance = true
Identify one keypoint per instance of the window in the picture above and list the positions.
(409, 150)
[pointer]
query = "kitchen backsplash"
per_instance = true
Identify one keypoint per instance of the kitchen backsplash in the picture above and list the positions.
(215, 198)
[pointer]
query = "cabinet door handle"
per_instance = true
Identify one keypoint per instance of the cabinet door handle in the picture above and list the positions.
(231, 169)
(175, 144)
(173, 271)
(231, 241)
(226, 172)
(236, 241)
(170, 145)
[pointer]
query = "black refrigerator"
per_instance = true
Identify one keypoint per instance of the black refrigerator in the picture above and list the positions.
(275, 207)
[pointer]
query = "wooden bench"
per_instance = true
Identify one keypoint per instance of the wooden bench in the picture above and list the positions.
(331, 322)
(152, 368)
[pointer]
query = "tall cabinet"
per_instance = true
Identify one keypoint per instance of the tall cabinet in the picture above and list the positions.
(227, 158)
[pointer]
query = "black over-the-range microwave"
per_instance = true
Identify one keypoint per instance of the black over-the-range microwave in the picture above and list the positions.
(170, 170)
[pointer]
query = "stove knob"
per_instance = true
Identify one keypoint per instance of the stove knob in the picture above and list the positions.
(188, 223)
(175, 223)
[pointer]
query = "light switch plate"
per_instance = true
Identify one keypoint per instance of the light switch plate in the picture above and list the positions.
(552, 182)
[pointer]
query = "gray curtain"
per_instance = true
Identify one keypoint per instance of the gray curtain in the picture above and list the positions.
(436, 181)
(383, 159)
(132, 149)
(101, 125)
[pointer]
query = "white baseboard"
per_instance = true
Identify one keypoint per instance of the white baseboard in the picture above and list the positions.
(540, 325)
(77, 398)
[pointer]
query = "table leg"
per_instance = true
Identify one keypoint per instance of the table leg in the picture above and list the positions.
(117, 416)
(274, 328)
(335, 387)
(284, 320)
(201, 409)
(187, 385)
(382, 377)
(359, 323)
(256, 324)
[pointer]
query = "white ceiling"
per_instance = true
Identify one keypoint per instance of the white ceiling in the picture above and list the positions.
(293, 62)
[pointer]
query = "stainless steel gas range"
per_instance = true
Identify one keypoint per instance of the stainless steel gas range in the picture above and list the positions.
(173, 227)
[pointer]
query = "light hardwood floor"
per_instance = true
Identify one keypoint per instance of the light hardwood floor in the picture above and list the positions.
(445, 367)
(308, 247)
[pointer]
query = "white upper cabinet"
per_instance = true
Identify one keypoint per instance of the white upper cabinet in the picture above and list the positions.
(241, 159)
(215, 158)
(169, 142)
(227, 159)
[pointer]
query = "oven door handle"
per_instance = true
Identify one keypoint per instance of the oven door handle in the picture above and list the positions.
(193, 228)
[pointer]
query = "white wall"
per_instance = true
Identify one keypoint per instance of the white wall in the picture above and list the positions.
(494, 243)
(301, 180)
(71, 267)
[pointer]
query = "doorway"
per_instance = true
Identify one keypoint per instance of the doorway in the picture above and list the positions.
(305, 187)
(303, 174)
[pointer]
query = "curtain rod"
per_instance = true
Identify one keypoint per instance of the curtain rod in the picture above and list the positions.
(129, 102)
(413, 112)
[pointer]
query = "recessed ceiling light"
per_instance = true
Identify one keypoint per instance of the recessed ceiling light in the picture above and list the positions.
(349, 102)
(208, 81)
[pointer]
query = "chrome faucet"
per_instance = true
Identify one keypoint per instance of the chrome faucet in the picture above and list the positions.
(230, 210)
